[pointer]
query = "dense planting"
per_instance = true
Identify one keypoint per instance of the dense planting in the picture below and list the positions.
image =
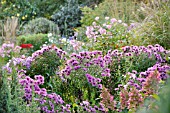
(110, 64)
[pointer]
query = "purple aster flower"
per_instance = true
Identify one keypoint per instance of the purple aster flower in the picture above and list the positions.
(77, 67)
(100, 86)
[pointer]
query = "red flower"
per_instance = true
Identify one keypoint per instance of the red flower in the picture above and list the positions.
(26, 46)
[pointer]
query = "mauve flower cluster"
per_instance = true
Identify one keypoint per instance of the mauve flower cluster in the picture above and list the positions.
(7, 48)
(138, 79)
(135, 99)
(7, 67)
(129, 98)
(151, 85)
(132, 26)
(132, 97)
(87, 61)
(88, 108)
(94, 81)
(77, 45)
(157, 51)
(162, 69)
(147, 83)
(27, 61)
(124, 96)
(108, 100)
(110, 28)
(48, 102)
(141, 82)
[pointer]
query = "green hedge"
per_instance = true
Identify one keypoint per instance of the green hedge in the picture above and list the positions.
(37, 40)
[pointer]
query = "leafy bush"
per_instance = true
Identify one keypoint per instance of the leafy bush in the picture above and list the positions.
(22, 9)
(45, 8)
(37, 40)
(46, 65)
(67, 18)
(40, 25)
(106, 35)
(132, 59)
(135, 91)
(34, 90)
(82, 75)
(45, 62)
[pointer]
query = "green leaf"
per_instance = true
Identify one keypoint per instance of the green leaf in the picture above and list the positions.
(155, 96)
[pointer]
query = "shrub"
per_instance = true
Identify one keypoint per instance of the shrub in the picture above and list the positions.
(22, 9)
(67, 18)
(135, 91)
(37, 40)
(12, 96)
(46, 8)
(133, 58)
(45, 61)
(108, 34)
(82, 75)
(34, 89)
(40, 25)
(46, 65)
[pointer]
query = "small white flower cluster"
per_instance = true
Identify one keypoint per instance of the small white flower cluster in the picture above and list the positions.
(51, 38)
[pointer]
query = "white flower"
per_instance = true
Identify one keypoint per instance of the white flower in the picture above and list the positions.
(50, 34)
(94, 23)
(120, 21)
(97, 18)
(133, 76)
(125, 86)
(50, 40)
(106, 18)
(124, 24)
(76, 34)
(44, 45)
(63, 40)
(104, 24)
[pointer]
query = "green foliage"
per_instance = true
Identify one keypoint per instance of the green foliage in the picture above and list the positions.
(68, 16)
(47, 7)
(119, 9)
(76, 89)
(27, 10)
(22, 9)
(37, 40)
(159, 103)
(156, 25)
(107, 35)
(11, 99)
(40, 25)
(122, 65)
(1, 31)
(45, 65)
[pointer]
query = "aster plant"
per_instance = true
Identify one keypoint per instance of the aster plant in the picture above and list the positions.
(108, 34)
